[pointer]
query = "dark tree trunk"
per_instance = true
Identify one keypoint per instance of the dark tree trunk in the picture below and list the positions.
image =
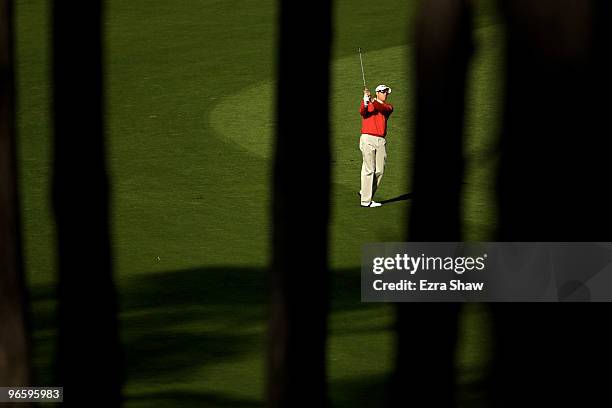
(14, 337)
(553, 186)
(89, 354)
(427, 333)
(300, 276)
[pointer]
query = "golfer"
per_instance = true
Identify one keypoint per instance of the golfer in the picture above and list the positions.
(374, 112)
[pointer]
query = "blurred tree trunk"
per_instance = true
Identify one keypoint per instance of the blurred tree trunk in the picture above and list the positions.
(300, 211)
(89, 354)
(427, 333)
(553, 186)
(14, 337)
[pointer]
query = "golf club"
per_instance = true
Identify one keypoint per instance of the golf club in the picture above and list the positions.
(362, 72)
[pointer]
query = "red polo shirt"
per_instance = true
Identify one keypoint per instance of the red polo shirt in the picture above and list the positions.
(375, 117)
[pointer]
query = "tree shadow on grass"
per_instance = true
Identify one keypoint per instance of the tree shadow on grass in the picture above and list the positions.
(180, 326)
(368, 391)
(178, 322)
(174, 323)
(186, 399)
(372, 392)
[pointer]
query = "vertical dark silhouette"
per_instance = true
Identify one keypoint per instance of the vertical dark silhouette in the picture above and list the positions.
(300, 212)
(427, 333)
(89, 354)
(553, 186)
(14, 338)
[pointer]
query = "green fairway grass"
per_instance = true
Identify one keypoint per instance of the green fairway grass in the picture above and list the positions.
(190, 122)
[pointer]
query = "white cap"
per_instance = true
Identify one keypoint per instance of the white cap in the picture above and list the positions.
(382, 88)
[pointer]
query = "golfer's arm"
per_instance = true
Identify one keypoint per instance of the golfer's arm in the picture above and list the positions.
(382, 107)
(363, 110)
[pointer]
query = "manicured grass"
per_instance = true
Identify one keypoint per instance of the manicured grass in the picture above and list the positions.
(191, 190)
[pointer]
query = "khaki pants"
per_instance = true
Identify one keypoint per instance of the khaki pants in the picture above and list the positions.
(374, 156)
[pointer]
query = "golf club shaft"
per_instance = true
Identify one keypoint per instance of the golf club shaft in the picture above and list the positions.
(362, 72)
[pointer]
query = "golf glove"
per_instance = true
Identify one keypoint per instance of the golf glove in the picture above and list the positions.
(366, 100)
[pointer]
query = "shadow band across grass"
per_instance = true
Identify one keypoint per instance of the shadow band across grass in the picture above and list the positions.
(196, 337)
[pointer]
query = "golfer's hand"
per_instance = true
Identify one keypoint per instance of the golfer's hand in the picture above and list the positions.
(366, 97)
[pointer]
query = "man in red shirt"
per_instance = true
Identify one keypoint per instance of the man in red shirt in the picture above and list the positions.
(374, 112)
